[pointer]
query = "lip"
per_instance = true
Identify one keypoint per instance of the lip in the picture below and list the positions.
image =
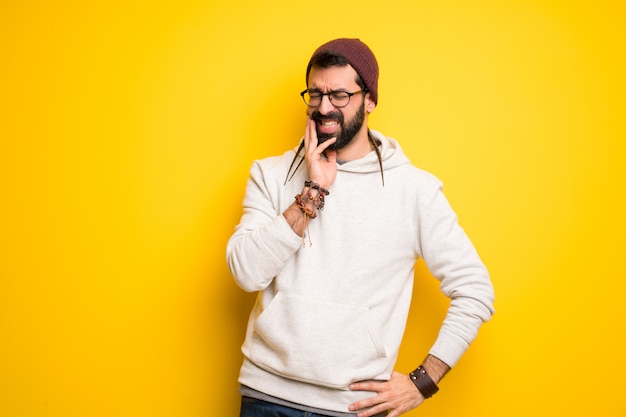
(328, 125)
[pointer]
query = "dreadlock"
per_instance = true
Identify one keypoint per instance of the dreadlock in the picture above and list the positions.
(288, 178)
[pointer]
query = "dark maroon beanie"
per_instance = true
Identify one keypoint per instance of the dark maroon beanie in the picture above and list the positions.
(360, 57)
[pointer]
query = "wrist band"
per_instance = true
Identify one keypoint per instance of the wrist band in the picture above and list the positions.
(307, 211)
(423, 382)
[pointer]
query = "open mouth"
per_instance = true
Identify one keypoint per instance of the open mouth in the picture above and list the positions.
(327, 125)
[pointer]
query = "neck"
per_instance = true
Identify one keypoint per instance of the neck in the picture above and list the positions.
(357, 148)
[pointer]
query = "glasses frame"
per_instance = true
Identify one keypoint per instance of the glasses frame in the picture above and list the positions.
(363, 91)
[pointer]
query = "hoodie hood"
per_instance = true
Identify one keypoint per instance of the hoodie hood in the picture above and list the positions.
(390, 151)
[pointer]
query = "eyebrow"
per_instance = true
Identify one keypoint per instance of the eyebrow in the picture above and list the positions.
(342, 90)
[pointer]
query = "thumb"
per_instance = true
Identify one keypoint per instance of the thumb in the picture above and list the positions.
(331, 156)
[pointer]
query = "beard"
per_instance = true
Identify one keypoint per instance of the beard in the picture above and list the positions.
(347, 130)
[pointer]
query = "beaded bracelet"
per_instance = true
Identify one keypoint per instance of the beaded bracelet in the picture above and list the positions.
(319, 198)
(423, 382)
(316, 186)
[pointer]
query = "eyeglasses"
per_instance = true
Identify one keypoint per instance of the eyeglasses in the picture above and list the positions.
(339, 99)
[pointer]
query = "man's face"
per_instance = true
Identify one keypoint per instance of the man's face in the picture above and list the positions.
(343, 123)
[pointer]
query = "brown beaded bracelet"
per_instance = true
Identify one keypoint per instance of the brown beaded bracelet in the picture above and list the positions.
(316, 186)
(319, 199)
(423, 382)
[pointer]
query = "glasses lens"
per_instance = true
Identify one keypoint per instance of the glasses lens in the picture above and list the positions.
(340, 98)
(312, 98)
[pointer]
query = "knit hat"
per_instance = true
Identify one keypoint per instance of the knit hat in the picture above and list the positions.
(360, 57)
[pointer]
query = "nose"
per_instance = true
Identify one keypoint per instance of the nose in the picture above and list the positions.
(326, 106)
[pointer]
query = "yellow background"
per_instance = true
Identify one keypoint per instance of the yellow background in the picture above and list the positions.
(126, 134)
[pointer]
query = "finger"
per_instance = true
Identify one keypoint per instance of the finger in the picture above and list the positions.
(324, 145)
(363, 404)
(310, 135)
(366, 386)
(331, 156)
(372, 412)
(394, 413)
(370, 409)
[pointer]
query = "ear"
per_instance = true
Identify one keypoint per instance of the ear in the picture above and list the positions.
(369, 103)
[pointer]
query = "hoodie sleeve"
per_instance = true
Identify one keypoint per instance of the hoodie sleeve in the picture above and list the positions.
(453, 260)
(263, 240)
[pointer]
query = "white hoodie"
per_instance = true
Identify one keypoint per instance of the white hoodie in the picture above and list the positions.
(335, 312)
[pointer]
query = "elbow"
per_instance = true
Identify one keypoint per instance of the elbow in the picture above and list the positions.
(481, 302)
(246, 277)
(476, 299)
(248, 283)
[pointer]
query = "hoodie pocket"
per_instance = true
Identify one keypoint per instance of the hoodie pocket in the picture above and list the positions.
(325, 343)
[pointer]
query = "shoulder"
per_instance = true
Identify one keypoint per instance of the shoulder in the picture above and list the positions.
(423, 177)
(273, 165)
(397, 163)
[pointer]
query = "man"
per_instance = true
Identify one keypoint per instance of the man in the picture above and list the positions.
(329, 237)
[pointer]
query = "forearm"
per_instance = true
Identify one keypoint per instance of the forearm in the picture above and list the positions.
(426, 376)
(435, 367)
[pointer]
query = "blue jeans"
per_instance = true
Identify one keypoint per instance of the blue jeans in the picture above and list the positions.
(251, 407)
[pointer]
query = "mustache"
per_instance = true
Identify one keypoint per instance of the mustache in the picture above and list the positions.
(335, 115)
